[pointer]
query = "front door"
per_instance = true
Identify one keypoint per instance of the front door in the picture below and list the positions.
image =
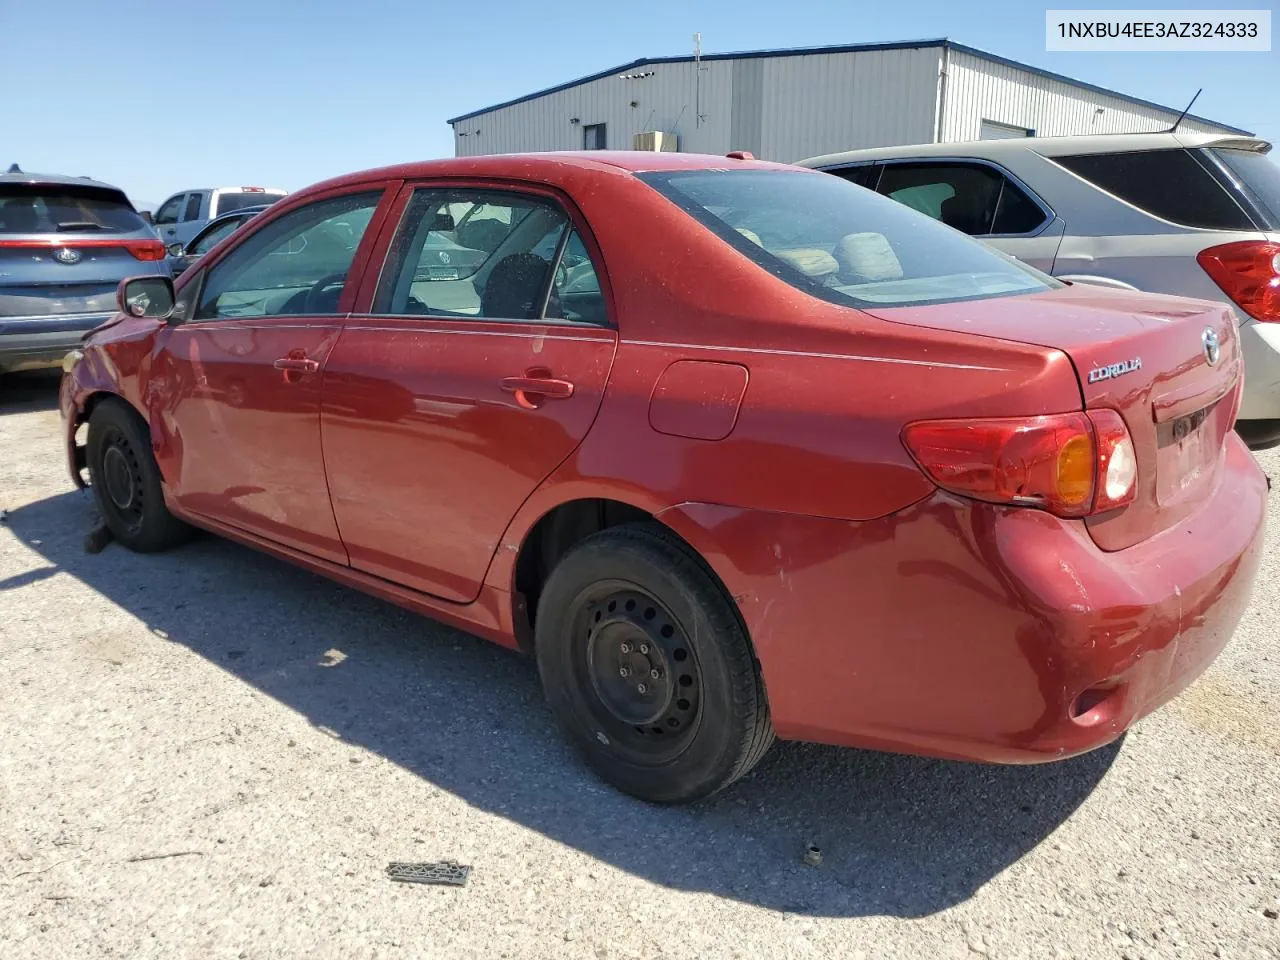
(240, 426)
(475, 375)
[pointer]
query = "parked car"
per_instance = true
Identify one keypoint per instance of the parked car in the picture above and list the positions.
(181, 256)
(733, 448)
(65, 244)
(1196, 215)
(180, 218)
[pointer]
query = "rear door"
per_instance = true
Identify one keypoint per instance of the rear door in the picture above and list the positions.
(464, 384)
(980, 199)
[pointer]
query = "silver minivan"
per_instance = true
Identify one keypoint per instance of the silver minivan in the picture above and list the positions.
(1196, 215)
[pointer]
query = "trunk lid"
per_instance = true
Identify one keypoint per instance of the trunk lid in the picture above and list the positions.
(1146, 357)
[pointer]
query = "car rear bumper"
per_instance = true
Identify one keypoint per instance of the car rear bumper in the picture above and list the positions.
(971, 631)
(32, 342)
(1260, 345)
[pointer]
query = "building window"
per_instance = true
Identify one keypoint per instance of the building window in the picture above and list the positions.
(593, 137)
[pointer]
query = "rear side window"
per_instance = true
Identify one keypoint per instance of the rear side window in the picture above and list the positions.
(192, 211)
(46, 208)
(1169, 184)
(845, 245)
(974, 198)
(230, 202)
(1259, 178)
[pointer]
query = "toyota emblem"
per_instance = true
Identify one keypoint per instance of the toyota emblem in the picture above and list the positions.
(67, 255)
(1212, 346)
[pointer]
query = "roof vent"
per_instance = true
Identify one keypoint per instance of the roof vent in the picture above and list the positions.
(14, 168)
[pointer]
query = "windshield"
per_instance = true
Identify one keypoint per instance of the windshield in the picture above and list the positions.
(229, 202)
(842, 243)
(1259, 177)
(50, 208)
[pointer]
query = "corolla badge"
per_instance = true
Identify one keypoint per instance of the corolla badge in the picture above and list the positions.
(1212, 346)
(1113, 370)
(67, 255)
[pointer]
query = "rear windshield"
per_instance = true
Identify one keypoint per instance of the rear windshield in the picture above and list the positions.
(227, 202)
(842, 243)
(48, 208)
(1259, 178)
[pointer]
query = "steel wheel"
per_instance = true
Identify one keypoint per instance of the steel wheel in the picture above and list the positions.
(122, 479)
(636, 659)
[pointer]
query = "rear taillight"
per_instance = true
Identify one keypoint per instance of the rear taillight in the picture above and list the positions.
(1249, 273)
(140, 249)
(145, 249)
(1070, 464)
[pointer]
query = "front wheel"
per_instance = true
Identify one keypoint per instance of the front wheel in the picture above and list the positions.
(648, 668)
(126, 481)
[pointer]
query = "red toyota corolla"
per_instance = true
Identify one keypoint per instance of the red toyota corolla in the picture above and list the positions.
(731, 447)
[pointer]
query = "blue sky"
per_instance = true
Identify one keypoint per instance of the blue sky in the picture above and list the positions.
(156, 97)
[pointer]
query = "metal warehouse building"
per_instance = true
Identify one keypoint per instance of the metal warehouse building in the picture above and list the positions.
(790, 104)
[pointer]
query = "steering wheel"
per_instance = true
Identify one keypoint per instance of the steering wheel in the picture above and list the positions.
(317, 288)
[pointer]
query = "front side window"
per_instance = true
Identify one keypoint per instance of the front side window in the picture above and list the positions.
(514, 270)
(849, 246)
(169, 210)
(1170, 184)
(296, 265)
(973, 198)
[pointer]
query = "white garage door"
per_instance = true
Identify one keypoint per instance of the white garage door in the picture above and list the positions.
(990, 130)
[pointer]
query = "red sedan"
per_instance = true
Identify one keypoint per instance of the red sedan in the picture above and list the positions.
(731, 447)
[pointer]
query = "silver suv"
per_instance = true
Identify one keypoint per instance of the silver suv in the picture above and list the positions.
(1196, 215)
(65, 243)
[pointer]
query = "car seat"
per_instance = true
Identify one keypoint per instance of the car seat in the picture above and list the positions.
(514, 288)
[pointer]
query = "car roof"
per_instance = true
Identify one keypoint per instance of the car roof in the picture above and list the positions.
(549, 166)
(1045, 146)
(55, 179)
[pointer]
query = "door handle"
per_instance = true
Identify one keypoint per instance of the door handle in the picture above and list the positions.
(299, 364)
(536, 386)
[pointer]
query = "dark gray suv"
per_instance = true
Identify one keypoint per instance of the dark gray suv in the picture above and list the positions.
(65, 242)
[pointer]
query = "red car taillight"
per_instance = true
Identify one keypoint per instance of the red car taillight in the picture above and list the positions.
(1071, 464)
(1248, 272)
(140, 249)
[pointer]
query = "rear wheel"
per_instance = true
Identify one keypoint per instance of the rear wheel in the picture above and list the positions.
(648, 668)
(126, 481)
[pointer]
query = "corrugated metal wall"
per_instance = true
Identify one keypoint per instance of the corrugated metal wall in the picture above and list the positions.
(842, 101)
(665, 101)
(790, 107)
(978, 89)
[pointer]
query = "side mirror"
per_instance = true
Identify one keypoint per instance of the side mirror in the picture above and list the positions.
(146, 297)
(146, 215)
(174, 249)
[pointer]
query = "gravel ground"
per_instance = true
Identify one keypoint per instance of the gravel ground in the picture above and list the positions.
(210, 753)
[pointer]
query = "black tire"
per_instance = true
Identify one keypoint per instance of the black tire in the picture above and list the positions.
(701, 720)
(126, 481)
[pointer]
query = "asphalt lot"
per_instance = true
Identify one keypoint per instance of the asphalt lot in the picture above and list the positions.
(209, 753)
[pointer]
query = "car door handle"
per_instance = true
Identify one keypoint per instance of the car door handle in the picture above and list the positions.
(536, 386)
(299, 364)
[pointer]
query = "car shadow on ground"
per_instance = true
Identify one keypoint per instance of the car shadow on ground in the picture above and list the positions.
(29, 391)
(901, 836)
